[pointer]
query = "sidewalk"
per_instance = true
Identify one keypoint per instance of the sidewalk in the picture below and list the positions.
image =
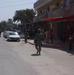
(51, 61)
(55, 45)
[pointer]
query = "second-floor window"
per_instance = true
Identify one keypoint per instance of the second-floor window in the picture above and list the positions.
(48, 9)
(66, 2)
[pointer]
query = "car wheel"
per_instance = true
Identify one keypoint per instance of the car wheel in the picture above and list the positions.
(18, 40)
(7, 39)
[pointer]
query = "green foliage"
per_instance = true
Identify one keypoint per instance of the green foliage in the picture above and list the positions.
(3, 25)
(24, 16)
(7, 25)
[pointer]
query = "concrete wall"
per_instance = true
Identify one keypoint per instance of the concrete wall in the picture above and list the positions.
(66, 11)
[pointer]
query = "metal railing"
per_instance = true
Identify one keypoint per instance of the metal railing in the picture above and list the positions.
(40, 3)
(64, 11)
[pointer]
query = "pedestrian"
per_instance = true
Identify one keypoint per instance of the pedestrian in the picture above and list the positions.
(47, 36)
(51, 35)
(0, 33)
(26, 36)
(70, 42)
(39, 37)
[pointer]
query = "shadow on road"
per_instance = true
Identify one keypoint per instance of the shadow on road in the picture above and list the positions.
(12, 41)
(35, 55)
(30, 43)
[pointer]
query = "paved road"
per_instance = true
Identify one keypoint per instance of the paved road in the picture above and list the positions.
(11, 63)
(18, 58)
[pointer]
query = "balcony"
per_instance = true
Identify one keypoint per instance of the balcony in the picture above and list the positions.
(64, 11)
(57, 12)
(41, 3)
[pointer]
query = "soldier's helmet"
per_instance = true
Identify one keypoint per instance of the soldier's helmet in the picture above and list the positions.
(39, 30)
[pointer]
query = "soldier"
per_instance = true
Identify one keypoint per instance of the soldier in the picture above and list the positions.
(39, 37)
(26, 36)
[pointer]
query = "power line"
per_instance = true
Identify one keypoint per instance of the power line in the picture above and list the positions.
(9, 1)
(16, 5)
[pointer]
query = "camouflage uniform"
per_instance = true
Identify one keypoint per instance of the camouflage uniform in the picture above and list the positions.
(39, 37)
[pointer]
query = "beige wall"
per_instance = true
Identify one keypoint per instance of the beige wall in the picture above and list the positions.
(49, 5)
(55, 11)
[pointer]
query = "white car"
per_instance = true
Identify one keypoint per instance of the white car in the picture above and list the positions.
(13, 36)
(5, 34)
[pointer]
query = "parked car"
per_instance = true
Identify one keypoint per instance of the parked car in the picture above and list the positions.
(5, 34)
(13, 36)
(22, 35)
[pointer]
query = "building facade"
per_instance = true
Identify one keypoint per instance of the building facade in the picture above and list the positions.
(53, 8)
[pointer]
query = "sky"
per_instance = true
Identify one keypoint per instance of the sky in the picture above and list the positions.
(9, 7)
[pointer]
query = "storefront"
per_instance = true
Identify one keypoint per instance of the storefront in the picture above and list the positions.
(63, 26)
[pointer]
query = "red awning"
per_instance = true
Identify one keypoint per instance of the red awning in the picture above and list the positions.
(57, 18)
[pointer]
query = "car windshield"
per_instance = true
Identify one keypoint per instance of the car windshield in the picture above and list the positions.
(12, 34)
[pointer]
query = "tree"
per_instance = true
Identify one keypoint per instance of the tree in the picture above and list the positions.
(10, 24)
(24, 16)
(3, 25)
(30, 14)
(7, 25)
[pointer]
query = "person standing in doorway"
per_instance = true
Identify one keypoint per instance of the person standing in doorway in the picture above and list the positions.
(70, 42)
(39, 37)
(51, 35)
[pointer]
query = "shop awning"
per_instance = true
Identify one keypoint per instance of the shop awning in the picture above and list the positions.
(57, 18)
